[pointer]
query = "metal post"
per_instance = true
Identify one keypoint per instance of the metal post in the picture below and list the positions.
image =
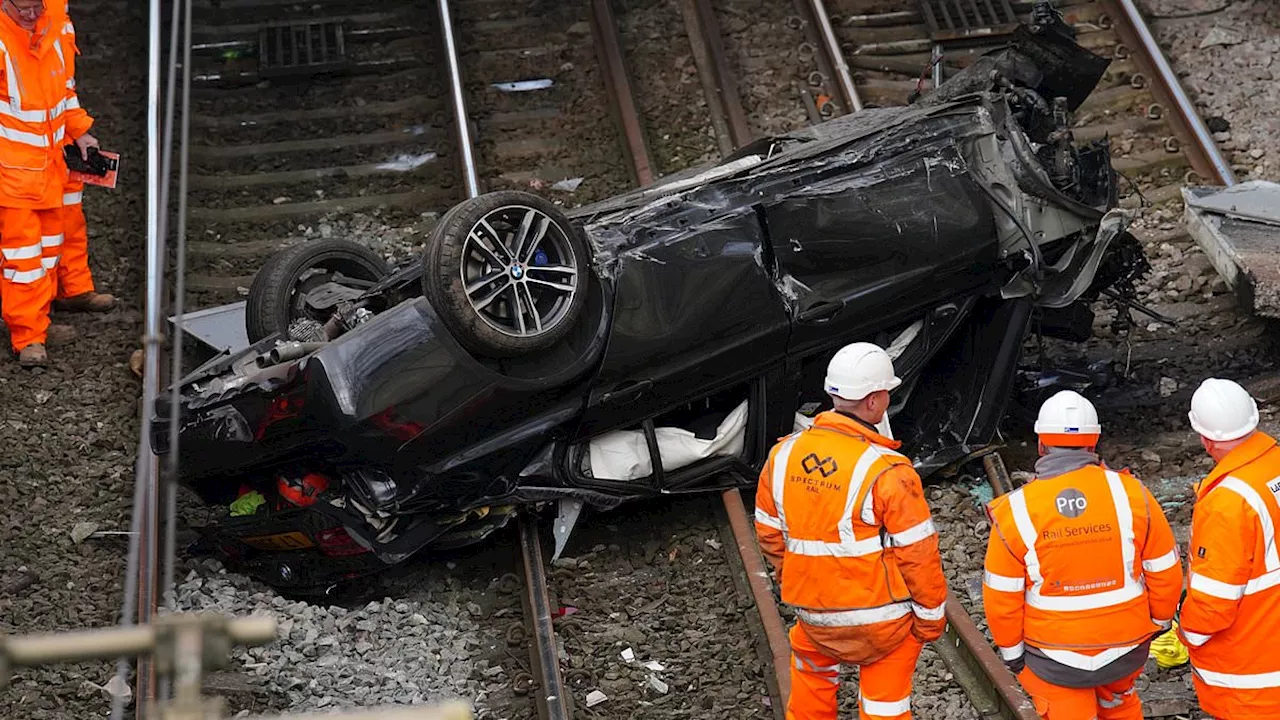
(1184, 105)
(837, 55)
(459, 103)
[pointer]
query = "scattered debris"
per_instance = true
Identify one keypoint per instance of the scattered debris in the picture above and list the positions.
(568, 184)
(115, 687)
(406, 163)
(713, 543)
(629, 655)
(135, 361)
(1219, 35)
(83, 530)
(595, 697)
(655, 666)
(1167, 386)
(658, 685)
(524, 85)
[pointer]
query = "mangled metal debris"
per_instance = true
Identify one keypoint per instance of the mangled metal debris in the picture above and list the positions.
(1238, 227)
(656, 342)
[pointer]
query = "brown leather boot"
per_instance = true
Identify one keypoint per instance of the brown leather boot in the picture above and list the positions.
(33, 356)
(86, 302)
(59, 335)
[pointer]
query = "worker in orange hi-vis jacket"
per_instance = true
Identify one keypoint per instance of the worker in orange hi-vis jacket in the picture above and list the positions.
(843, 518)
(39, 114)
(1232, 609)
(1082, 573)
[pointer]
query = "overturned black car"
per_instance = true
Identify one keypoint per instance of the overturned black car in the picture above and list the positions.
(660, 341)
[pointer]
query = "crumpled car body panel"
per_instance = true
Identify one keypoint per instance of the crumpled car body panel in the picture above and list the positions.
(938, 230)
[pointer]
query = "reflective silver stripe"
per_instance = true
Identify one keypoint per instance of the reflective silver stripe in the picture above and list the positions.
(25, 138)
(1011, 653)
(1195, 639)
(821, 548)
(780, 462)
(1115, 702)
(806, 664)
(1027, 531)
(1250, 496)
(1251, 681)
(58, 109)
(26, 252)
(1003, 583)
(1216, 588)
(1163, 624)
(1265, 581)
(71, 84)
(51, 240)
(1080, 661)
(25, 277)
(1162, 563)
(60, 134)
(762, 517)
(884, 709)
(854, 618)
(926, 613)
(914, 534)
(73, 103)
(72, 198)
(57, 48)
(49, 263)
(1124, 515)
(857, 479)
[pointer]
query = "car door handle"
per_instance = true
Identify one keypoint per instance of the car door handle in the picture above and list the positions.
(631, 389)
(821, 312)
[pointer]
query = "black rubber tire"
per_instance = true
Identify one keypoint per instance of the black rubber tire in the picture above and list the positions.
(442, 282)
(269, 306)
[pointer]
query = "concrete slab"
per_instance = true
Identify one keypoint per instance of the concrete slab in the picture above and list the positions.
(1245, 252)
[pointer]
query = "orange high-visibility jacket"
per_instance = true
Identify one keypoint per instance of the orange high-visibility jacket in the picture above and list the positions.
(39, 109)
(844, 519)
(1082, 566)
(1232, 610)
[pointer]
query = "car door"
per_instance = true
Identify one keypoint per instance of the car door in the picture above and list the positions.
(695, 310)
(875, 245)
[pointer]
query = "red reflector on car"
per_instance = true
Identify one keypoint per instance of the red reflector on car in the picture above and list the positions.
(336, 542)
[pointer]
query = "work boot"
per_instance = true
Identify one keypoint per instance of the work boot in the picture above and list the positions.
(86, 302)
(33, 356)
(59, 335)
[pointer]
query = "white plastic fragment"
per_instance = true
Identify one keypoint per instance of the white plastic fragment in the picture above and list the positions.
(595, 697)
(655, 666)
(405, 162)
(524, 85)
(568, 184)
(629, 655)
(82, 530)
(715, 544)
(658, 685)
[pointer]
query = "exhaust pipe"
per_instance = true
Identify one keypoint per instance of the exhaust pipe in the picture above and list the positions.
(286, 352)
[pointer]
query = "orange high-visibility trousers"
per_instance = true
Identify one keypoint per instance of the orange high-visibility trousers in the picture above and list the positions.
(1116, 701)
(884, 686)
(73, 276)
(29, 240)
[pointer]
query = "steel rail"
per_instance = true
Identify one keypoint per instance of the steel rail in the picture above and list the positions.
(554, 699)
(718, 82)
(465, 147)
(1203, 152)
(992, 689)
(844, 78)
(617, 81)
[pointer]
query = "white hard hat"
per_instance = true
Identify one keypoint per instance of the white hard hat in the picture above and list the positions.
(859, 369)
(1222, 410)
(1067, 415)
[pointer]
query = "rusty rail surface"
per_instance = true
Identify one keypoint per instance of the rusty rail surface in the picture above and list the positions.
(604, 28)
(1136, 37)
(552, 697)
(718, 82)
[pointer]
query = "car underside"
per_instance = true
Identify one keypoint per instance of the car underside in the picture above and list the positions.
(660, 341)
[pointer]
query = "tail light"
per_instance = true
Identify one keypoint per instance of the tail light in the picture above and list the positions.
(336, 542)
(281, 408)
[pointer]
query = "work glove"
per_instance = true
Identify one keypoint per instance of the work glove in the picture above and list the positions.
(927, 631)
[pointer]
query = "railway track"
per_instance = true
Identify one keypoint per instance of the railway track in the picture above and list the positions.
(549, 102)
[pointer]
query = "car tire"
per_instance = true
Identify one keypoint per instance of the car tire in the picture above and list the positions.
(274, 297)
(495, 303)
